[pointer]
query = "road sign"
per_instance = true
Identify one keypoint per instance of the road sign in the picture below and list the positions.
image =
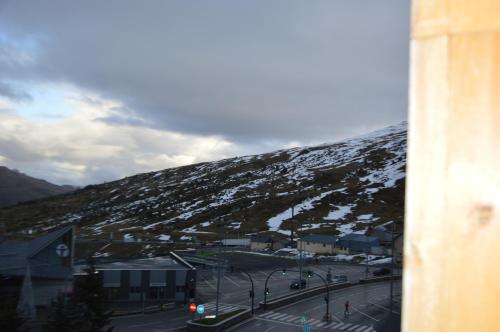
(192, 307)
(62, 250)
(200, 309)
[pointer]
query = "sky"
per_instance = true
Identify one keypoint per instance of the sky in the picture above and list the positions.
(93, 91)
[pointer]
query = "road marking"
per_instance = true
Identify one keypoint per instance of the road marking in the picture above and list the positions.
(314, 322)
(321, 324)
(282, 317)
(211, 286)
(267, 314)
(269, 329)
(276, 314)
(330, 325)
(231, 281)
(365, 314)
(337, 326)
(362, 328)
(279, 316)
(288, 318)
(353, 327)
(346, 326)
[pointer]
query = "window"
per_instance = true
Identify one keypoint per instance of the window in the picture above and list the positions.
(135, 289)
(157, 292)
(112, 293)
(111, 278)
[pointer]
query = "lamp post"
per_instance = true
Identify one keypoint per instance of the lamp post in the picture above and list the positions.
(252, 292)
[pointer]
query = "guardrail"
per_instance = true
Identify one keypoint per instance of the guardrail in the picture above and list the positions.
(376, 279)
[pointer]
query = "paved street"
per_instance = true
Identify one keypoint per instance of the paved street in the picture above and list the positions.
(369, 302)
(236, 286)
(369, 307)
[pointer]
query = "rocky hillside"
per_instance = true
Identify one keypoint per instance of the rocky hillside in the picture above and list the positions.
(334, 188)
(17, 187)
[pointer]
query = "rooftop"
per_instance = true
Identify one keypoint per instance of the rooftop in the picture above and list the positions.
(172, 262)
(327, 239)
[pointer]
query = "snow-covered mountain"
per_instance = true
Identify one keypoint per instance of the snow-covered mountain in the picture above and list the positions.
(334, 188)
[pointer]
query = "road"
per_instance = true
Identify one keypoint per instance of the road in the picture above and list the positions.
(369, 308)
(236, 286)
(235, 289)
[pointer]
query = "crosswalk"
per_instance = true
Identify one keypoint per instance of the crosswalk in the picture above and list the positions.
(315, 323)
(223, 308)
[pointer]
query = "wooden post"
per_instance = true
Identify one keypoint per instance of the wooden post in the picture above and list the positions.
(452, 224)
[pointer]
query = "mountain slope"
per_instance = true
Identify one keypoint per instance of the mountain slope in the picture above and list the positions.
(17, 187)
(335, 188)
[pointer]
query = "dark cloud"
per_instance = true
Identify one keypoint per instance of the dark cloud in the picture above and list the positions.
(14, 149)
(12, 93)
(245, 70)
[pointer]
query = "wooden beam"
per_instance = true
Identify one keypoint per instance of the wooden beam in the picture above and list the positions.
(452, 222)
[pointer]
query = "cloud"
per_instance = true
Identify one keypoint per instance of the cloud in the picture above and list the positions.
(11, 92)
(80, 149)
(156, 81)
(283, 70)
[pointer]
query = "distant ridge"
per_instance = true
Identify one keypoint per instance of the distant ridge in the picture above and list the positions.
(16, 187)
(350, 186)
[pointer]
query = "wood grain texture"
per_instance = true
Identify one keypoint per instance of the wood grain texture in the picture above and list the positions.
(452, 222)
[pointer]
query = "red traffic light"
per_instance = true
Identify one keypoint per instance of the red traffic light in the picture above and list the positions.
(192, 307)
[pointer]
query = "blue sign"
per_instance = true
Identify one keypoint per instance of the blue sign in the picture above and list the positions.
(200, 309)
(307, 328)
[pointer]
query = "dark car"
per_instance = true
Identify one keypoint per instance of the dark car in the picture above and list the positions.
(297, 284)
(340, 278)
(381, 272)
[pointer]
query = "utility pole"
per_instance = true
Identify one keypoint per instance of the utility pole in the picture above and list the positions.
(366, 260)
(392, 268)
(300, 261)
(218, 277)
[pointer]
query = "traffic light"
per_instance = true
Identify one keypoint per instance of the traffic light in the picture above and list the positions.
(283, 272)
(267, 291)
(310, 273)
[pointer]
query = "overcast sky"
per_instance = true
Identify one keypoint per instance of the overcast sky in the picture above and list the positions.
(92, 91)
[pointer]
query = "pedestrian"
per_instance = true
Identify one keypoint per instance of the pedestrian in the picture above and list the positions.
(346, 311)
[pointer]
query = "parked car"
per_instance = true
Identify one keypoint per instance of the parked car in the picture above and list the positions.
(381, 272)
(297, 284)
(339, 278)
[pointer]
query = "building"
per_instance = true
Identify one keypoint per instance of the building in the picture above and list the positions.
(398, 248)
(35, 271)
(359, 243)
(261, 242)
(148, 280)
(236, 242)
(383, 235)
(320, 244)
